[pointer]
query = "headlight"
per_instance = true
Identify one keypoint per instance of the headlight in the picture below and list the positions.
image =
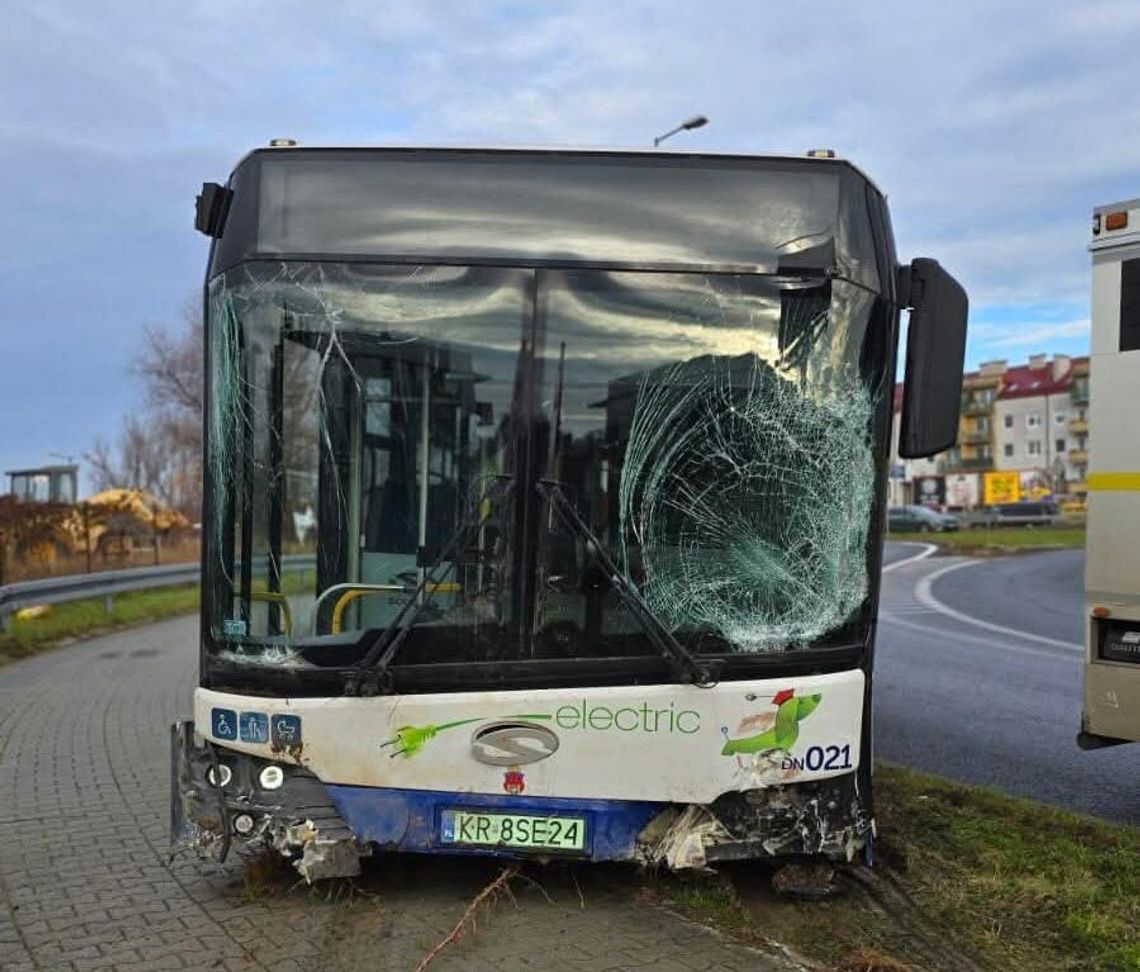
(271, 777)
(243, 824)
(220, 778)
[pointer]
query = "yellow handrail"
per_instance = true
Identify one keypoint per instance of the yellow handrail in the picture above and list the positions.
(273, 597)
(350, 595)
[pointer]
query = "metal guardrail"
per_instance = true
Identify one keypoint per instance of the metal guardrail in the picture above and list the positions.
(106, 584)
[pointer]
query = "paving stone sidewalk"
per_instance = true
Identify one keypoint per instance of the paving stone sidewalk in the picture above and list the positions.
(85, 881)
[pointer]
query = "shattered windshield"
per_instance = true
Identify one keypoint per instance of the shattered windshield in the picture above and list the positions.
(383, 443)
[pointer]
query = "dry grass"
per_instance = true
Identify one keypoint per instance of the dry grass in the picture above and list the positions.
(1021, 886)
(186, 551)
(870, 960)
(1039, 887)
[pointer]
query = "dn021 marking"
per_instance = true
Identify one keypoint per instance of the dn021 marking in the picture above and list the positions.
(820, 759)
(512, 743)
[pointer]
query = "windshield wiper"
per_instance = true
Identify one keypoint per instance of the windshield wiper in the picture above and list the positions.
(370, 675)
(685, 665)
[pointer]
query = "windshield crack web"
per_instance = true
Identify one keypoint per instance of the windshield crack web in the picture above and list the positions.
(745, 501)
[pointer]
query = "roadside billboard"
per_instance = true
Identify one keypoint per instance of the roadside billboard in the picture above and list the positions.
(962, 490)
(1034, 484)
(1001, 487)
(930, 491)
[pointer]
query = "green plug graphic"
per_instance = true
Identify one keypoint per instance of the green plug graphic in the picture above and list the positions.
(410, 739)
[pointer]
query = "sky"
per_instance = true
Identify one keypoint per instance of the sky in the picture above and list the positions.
(993, 128)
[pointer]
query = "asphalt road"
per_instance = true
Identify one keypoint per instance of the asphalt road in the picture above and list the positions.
(978, 678)
(1039, 593)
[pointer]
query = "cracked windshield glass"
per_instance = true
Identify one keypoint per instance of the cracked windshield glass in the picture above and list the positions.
(401, 441)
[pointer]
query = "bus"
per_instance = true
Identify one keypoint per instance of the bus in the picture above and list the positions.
(1111, 702)
(544, 503)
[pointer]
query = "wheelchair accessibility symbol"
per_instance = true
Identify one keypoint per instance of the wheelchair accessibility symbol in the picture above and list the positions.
(223, 723)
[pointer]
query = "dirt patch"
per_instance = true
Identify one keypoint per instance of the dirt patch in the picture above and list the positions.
(869, 924)
(868, 960)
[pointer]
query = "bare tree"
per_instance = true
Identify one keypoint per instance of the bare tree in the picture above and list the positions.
(160, 449)
(170, 365)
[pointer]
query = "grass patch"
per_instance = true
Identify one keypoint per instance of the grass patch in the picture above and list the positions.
(1012, 883)
(1001, 540)
(64, 623)
(88, 618)
(1040, 888)
(712, 899)
(293, 582)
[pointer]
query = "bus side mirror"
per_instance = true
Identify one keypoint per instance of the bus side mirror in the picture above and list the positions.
(935, 355)
(211, 208)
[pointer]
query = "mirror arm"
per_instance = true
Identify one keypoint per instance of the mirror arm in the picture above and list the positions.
(905, 286)
(904, 283)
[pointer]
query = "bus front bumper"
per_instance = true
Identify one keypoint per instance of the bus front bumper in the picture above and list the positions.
(325, 829)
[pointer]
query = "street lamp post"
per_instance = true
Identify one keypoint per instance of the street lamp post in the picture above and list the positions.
(697, 121)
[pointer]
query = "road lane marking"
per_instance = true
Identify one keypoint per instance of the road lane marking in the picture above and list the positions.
(943, 634)
(924, 594)
(927, 550)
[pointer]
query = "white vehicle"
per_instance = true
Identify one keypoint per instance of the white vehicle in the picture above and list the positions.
(596, 446)
(1112, 572)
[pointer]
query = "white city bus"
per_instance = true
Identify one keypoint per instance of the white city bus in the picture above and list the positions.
(543, 507)
(1112, 572)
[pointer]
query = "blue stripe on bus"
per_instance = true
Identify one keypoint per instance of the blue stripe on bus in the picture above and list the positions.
(408, 820)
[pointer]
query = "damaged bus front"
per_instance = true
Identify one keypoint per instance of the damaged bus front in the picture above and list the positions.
(544, 503)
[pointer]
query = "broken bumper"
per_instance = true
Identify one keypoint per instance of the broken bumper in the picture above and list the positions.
(325, 829)
(220, 800)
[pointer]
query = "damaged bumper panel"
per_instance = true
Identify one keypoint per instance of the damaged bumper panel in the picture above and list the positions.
(223, 800)
(325, 830)
(826, 818)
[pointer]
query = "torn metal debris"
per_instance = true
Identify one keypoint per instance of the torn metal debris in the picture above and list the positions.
(827, 818)
(683, 844)
(295, 818)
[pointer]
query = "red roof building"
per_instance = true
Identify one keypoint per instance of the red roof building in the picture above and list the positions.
(1030, 417)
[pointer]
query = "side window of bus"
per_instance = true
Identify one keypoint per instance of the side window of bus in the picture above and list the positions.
(1130, 305)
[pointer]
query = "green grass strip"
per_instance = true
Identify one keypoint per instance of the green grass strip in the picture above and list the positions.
(1000, 539)
(87, 618)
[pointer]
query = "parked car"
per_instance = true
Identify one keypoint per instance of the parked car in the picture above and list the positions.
(1042, 513)
(919, 519)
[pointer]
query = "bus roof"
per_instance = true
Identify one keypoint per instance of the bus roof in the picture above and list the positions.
(681, 211)
(1115, 224)
(666, 152)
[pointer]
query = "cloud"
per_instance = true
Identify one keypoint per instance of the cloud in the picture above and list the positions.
(1038, 336)
(995, 128)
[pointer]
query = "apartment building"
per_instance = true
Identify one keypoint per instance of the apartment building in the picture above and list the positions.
(1029, 418)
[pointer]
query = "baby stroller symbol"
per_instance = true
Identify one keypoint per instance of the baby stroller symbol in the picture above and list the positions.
(286, 730)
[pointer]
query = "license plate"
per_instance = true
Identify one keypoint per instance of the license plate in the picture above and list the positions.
(513, 830)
